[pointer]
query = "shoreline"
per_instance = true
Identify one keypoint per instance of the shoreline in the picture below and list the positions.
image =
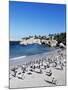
(37, 69)
(24, 59)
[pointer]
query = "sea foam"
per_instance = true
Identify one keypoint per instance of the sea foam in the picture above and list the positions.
(17, 58)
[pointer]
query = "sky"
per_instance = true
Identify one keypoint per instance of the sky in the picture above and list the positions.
(28, 18)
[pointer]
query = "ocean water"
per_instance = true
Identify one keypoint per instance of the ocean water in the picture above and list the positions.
(20, 51)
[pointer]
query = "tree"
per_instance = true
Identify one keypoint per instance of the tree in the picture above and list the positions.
(61, 38)
(50, 36)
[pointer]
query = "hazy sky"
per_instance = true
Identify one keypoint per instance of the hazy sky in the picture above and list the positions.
(35, 18)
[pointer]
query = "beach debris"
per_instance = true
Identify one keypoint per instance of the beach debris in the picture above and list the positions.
(19, 69)
(43, 67)
(32, 66)
(11, 75)
(38, 71)
(22, 68)
(59, 67)
(54, 64)
(48, 65)
(14, 71)
(48, 72)
(29, 73)
(64, 62)
(54, 81)
(31, 69)
(20, 75)
(37, 65)
(51, 80)
(17, 72)
(23, 71)
(49, 60)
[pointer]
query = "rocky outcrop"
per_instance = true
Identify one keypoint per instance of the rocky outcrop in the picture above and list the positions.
(62, 45)
(38, 41)
(30, 41)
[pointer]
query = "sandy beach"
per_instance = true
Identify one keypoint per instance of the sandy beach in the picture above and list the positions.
(46, 69)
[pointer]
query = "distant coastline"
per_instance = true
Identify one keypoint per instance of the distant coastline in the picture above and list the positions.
(51, 39)
(32, 45)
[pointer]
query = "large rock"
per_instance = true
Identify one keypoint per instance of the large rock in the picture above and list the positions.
(62, 45)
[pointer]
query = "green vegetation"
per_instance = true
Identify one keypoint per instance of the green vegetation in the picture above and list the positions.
(61, 38)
